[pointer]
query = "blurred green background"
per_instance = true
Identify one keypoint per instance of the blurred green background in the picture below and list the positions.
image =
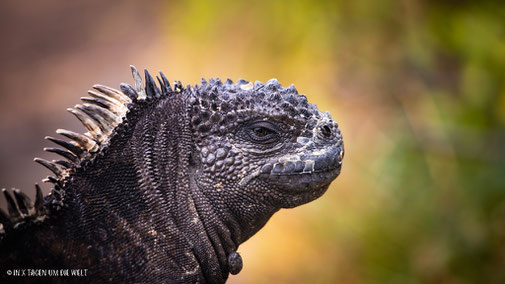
(418, 88)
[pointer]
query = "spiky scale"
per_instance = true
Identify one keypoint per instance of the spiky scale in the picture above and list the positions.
(24, 203)
(92, 126)
(99, 102)
(166, 84)
(160, 82)
(107, 102)
(112, 93)
(4, 218)
(107, 115)
(64, 164)
(76, 150)
(39, 200)
(151, 89)
(82, 140)
(129, 91)
(139, 84)
(51, 179)
(12, 207)
(66, 154)
(105, 119)
(57, 170)
(107, 98)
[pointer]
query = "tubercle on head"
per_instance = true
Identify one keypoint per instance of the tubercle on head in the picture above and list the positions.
(216, 106)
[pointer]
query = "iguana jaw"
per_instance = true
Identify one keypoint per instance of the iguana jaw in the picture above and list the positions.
(306, 173)
(316, 162)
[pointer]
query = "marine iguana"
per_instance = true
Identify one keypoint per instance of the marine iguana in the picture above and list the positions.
(167, 182)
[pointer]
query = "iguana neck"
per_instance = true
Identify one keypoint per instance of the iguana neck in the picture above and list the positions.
(228, 219)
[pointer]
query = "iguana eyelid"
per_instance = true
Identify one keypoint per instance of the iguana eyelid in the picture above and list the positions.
(271, 137)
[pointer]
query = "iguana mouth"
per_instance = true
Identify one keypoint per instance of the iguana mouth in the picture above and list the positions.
(312, 171)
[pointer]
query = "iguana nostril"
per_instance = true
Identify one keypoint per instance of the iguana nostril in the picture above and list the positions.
(326, 131)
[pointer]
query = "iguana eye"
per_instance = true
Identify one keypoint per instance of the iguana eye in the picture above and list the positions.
(263, 132)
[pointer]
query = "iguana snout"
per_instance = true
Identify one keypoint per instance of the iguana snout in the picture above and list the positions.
(317, 160)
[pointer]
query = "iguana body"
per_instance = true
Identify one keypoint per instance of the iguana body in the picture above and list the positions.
(167, 183)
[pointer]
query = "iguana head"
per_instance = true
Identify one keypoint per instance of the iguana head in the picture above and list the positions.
(263, 142)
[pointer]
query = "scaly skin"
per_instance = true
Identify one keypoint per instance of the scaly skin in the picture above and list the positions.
(172, 182)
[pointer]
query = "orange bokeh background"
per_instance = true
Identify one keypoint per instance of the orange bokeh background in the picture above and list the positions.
(416, 86)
